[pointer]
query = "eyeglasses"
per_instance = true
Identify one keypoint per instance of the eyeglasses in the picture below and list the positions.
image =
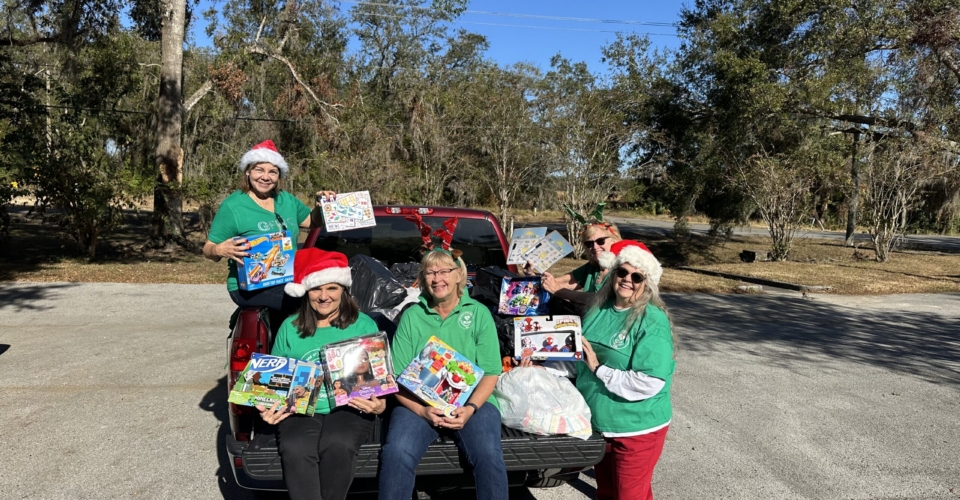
(440, 273)
(635, 277)
(598, 241)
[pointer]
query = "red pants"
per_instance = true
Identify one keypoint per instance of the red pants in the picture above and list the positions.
(626, 471)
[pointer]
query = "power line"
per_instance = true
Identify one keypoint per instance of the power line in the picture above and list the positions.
(457, 21)
(526, 16)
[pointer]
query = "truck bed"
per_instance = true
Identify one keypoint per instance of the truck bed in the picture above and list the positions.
(521, 451)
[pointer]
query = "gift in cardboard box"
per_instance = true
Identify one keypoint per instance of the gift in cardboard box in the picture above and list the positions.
(270, 262)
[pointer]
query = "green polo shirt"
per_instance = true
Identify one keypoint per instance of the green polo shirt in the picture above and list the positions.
(588, 275)
(469, 330)
(646, 346)
(239, 215)
(289, 344)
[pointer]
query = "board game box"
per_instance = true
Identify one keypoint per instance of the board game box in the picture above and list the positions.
(548, 338)
(546, 252)
(523, 239)
(523, 296)
(359, 368)
(441, 377)
(269, 379)
(348, 211)
(270, 262)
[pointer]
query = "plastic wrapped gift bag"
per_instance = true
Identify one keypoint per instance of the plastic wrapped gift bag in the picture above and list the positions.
(532, 400)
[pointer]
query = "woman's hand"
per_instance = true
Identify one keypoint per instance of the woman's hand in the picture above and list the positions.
(432, 415)
(234, 248)
(373, 405)
(526, 363)
(550, 284)
(329, 195)
(589, 357)
(275, 414)
(460, 417)
(528, 269)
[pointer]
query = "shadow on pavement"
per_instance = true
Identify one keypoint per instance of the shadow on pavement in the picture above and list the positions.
(4, 348)
(25, 297)
(924, 344)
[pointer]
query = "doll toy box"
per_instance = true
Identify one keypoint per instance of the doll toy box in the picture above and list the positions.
(441, 377)
(359, 368)
(548, 338)
(270, 379)
(523, 295)
(270, 262)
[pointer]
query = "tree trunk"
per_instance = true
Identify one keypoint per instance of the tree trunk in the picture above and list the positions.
(167, 198)
(853, 201)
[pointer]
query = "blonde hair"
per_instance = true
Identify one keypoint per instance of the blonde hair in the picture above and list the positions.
(607, 228)
(245, 178)
(442, 257)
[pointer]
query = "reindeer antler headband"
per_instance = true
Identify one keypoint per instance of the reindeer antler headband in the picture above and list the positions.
(445, 233)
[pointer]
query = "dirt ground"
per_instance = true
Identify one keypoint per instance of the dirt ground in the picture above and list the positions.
(39, 250)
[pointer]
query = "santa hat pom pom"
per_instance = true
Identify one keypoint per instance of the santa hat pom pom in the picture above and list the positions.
(294, 289)
(607, 259)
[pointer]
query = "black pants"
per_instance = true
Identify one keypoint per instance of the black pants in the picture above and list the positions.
(271, 297)
(319, 453)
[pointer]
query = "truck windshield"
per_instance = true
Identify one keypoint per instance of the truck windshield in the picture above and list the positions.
(397, 240)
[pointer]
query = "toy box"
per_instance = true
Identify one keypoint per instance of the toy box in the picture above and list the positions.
(359, 368)
(441, 377)
(522, 241)
(269, 379)
(270, 262)
(548, 338)
(522, 296)
(546, 252)
(348, 211)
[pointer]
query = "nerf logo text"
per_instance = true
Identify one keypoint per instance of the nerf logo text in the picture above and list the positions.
(267, 363)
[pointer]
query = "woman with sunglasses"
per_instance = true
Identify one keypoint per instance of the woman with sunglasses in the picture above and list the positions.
(627, 371)
(445, 311)
(258, 207)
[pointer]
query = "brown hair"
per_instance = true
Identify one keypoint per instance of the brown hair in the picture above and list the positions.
(306, 320)
(245, 178)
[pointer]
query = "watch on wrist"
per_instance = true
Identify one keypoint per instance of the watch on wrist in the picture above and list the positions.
(475, 408)
(597, 368)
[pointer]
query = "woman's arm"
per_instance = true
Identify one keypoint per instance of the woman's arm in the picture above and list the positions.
(233, 248)
(633, 385)
(315, 217)
(553, 284)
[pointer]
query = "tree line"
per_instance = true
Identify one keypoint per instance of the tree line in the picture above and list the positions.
(841, 113)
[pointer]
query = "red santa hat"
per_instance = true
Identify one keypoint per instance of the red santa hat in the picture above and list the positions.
(637, 255)
(265, 152)
(313, 267)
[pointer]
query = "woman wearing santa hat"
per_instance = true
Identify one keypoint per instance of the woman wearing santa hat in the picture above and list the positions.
(258, 207)
(318, 453)
(628, 370)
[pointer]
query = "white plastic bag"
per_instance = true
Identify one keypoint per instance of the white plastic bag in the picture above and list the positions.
(537, 402)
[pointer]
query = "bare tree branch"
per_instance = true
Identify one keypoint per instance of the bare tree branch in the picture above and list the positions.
(255, 49)
(199, 94)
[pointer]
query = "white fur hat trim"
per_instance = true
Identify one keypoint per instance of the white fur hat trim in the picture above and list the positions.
(340, 275)
(607, 259)
(642, 260)
(263, 155)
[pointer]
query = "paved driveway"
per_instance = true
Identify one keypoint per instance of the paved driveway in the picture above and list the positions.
(117, 391)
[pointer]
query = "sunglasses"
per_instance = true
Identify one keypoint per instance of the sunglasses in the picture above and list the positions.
(598, 241)
(635, 277)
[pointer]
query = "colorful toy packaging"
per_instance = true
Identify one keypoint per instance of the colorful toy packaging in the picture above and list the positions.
(270, 262)
(359, 368)
(548, 338)
(348, 211)
(522, 296)
(441, 377)
(269, 379)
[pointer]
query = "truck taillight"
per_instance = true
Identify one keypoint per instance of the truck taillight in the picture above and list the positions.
(242, 350)
(407, 210)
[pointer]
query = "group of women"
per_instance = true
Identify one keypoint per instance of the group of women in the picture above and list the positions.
(625, 377)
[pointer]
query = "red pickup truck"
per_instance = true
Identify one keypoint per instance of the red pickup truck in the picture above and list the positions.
(539, 461)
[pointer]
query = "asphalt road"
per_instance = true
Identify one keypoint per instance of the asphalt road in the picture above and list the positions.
(647, 228)
(117, 391)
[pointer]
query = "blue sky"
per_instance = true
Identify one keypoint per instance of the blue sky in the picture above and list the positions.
(529, 31)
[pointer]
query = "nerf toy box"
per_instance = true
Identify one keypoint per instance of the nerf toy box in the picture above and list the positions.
(441, 377)
(548, 338)
(270, 262)
(269, 379)
(359, 368)
(523, 295)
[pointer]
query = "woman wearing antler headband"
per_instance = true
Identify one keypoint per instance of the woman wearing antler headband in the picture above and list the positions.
(448, 313)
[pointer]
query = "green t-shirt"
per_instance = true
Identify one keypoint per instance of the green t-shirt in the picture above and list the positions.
(239, 215)
(469, 330)
(289, 344)
(588, 275)
(646, 347)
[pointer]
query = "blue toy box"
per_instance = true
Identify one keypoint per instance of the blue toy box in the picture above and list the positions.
(270, 262)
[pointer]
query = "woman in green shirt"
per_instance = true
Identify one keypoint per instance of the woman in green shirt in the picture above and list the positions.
(319, 453)
(258, 207)
(628, 371)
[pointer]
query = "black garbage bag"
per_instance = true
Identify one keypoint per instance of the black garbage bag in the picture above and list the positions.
(505, 333)
(486, 287)
(373, 285)
(405, 272)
